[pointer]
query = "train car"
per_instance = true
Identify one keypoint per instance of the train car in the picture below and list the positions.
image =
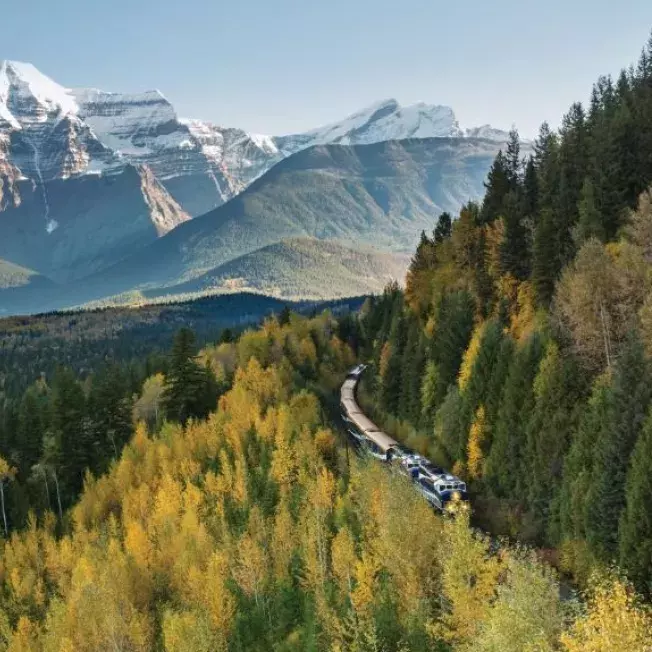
(439, 491)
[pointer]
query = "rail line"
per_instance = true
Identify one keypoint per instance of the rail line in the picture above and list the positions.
(437, 485)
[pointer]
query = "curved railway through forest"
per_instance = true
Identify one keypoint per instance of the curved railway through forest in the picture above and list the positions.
(437, 485)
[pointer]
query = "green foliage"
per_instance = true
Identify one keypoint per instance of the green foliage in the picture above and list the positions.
(504, 465)
(635, 532)
(191, 390)
(632, 390)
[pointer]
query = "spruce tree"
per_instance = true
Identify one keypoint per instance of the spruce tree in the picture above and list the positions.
(568, 520)
(545, 261)
(632, 390)
(635, 533)
(515, 248)
(504, 463)
(530, 189)
(190, 390)
(557, 391)
(590, 217)
(444, 228)
(110, 406)
(497, 186)
(71, 431)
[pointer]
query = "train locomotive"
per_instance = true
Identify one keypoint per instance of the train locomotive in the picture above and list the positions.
(436, 485)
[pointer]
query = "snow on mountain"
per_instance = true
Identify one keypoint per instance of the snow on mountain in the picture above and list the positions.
(28, 95)
(388, 120)
(50, 132)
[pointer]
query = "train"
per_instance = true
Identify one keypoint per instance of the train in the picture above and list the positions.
(436, 485)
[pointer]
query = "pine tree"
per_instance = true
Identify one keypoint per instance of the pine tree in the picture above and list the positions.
(590, 217)
(497, 186)
(514, 164)
(71, 431)
(557, 391)
(530, 189)
(569, 522)
(504, 463)
(632, 390)
(515, 249)
(545, 263)
(444, 228)
(109, 406)
(32, 424)
(191, 390)
(635, 532)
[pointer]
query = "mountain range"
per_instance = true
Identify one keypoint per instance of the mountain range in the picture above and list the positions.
(104, 193)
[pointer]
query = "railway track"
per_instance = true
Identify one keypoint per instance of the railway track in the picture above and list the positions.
(437, 485)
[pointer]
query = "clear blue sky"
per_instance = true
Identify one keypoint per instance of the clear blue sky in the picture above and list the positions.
(281, 66)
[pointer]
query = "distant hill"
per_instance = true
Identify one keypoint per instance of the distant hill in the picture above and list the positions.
(382, 195)
(300, 268)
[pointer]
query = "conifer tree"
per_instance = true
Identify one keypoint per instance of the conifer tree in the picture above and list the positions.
(590, 217)
(444, 228)
(545, 263)
(504, 463)
(530, 189)
(557, 390)
(190, 391)
(515, 249)
(71, 431)
(632, 390)
(497, 186)
(635, 533)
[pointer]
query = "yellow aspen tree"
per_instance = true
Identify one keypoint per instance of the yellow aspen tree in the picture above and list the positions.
(25, 637)
(344, 560)
(188, 632)
(240, 492)
(615, 620)
(283, 542)
(469, 579)
(475, 447)
(251, 568)
(385, 355)
(363, 596)
(470, 356)
(284, 462)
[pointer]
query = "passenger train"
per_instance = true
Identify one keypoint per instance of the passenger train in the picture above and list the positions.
(435, 484)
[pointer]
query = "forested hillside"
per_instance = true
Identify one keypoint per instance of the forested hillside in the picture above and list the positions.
(520, 352)
(251, 530)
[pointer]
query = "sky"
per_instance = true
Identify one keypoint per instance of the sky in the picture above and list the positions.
(285, 66)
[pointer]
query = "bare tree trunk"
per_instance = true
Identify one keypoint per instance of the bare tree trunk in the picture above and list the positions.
(2, 495)
(56, 484)
(47, 487)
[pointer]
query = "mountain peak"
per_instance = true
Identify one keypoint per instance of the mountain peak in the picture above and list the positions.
(25, 81)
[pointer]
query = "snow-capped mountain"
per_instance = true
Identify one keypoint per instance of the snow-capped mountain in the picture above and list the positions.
(56, 132)
(89, 178)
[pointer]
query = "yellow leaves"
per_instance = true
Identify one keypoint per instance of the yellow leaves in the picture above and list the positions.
(7, 472)
(364, 593)
(25, 637)
(475, 447)
(251, 567)
(614, 621)
(385, 355)
(344, 559)
(137, 544)
(469, 581)
(283, 542)
(470, 355)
